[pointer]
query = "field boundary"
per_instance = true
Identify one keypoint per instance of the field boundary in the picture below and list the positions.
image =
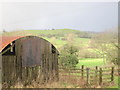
(92, 76)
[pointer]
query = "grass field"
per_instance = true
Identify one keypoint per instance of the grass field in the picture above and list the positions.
(42, 32)
(116, 82)
(90, 62)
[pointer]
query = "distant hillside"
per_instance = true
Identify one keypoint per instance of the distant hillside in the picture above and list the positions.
(56, 31)
(51, 33)
(59, 37)
(42, 32)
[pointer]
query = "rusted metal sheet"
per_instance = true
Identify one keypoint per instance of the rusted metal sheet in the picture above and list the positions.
(8, 39)
(31, 53)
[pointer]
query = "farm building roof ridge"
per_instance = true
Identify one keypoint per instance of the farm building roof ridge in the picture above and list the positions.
(5, 40)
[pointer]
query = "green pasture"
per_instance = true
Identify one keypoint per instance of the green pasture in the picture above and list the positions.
(42, 32)
(90, 62)
(58, 43)
(116, 83)
(56, 31)
(82, 41)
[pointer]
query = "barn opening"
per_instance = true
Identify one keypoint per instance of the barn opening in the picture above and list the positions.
(27, 59)
(10, 51)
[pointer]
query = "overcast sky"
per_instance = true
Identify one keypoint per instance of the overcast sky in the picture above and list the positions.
(93, 16)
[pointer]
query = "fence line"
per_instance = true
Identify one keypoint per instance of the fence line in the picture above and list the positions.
(98, 75)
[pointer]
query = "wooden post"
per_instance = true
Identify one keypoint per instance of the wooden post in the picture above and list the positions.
(100, 76)
(112, 74)
(96, 72)
(88, 75)
(82, 73)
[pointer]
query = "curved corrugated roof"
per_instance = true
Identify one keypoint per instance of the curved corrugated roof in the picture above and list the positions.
(8, 39)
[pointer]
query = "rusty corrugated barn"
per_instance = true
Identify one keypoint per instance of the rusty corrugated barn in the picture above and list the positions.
(26, 59)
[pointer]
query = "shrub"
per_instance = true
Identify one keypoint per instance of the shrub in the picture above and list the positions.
(68, 57)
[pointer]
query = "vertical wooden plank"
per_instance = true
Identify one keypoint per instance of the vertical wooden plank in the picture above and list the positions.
(46, 73)
(7, 70)
(36, 72)
(14, 75)
(23, 74)
(30, 78)
(43, 71)
(46, 62)
(20, 62)
(18, 59)
(20, 68)
(15, 69)
(50, 62)
(43, 61)
(53, 67)
(49, 53)
(31, 74)
(3, 69)
(17, 53)
(50, 67)
(56, 67)
(10, 70)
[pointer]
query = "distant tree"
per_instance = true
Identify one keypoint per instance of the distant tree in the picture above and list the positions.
(71, 49)
(70, 37)
(103, 43)
(53, 29)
